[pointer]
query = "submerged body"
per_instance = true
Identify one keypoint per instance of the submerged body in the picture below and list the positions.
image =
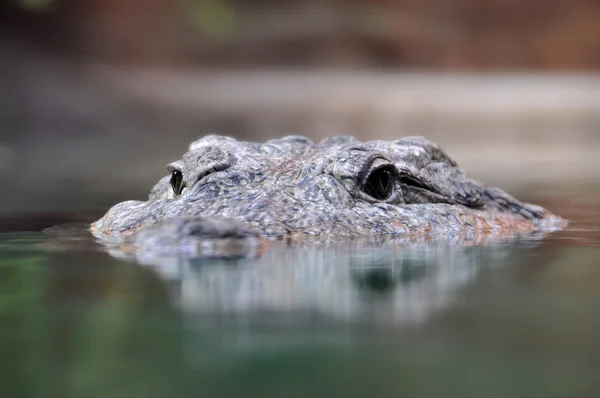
(224, 188)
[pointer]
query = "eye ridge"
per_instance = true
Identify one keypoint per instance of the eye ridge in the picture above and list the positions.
(380, 182)
(177, 182)
(415, 182)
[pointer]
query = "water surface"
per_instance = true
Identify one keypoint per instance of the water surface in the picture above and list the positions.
(378, 317)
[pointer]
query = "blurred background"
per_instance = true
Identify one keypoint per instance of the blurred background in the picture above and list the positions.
(98, 96)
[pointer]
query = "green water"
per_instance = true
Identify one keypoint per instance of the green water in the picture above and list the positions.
(516, 318)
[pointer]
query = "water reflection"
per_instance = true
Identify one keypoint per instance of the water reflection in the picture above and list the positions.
(515, 316)
(383, 280)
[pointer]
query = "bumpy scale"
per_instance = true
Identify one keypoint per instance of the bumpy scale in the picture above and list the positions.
(228, 189)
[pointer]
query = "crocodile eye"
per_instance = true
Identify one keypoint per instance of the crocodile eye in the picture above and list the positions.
(380, 183)
(177, 182)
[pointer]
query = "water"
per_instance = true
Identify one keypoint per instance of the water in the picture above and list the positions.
(378, 318)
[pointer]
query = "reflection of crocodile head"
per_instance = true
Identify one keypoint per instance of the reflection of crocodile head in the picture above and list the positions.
(379, 280)
(227, 189)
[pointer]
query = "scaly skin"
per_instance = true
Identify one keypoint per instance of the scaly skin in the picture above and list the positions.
(228, 189)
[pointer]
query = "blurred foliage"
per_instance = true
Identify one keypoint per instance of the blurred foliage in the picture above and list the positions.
(35, 5)
(459, 34)
(215, 18)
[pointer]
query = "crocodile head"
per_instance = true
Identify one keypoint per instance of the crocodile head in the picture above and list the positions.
(339, 187)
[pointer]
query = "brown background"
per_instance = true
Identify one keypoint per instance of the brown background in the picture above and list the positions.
(97, 96)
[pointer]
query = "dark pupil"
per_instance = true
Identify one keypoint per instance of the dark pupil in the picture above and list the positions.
(177, 182)
(380, 183)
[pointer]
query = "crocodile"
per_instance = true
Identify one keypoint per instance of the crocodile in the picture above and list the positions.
(225, 189)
